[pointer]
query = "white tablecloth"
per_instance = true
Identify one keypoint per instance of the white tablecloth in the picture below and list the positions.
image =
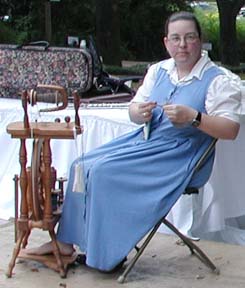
(100, 126)
(216, 213)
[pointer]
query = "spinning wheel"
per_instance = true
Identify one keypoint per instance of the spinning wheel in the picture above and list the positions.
(35, 190)
(41, 202)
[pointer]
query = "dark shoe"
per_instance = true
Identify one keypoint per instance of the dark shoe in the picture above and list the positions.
(81, 259)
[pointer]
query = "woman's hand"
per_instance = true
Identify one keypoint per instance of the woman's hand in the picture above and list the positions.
(141, 112)
(215, 126)
(179, 114)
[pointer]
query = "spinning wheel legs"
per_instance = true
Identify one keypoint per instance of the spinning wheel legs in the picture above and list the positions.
(57, 255)
(15, 254)
(40, 180)
(37, 183)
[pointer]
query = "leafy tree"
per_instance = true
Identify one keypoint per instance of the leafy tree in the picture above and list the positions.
(108, 30)
(7, 34)
(130, 29)
(72, 17)
(142, 29)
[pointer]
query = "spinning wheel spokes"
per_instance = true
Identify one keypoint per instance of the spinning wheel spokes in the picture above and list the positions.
(36, 189)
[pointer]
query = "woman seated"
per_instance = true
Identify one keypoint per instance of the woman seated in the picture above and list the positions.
(119, 191)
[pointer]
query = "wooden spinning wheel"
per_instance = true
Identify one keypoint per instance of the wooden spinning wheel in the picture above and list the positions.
(35, 176)
(38, 183)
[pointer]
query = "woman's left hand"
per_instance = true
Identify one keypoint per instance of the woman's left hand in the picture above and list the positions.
(179, 114)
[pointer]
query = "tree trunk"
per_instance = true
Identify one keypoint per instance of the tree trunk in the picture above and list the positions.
(48, 22)
(108, 31)
(229, 49)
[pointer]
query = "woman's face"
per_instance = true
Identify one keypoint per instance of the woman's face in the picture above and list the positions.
(183, 42)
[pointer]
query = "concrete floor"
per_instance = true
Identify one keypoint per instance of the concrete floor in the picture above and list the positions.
(164, 263)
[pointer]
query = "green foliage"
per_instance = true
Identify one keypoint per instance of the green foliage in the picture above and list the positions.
(7, 34)
(209, 21)
(142, 28)
(69, 17)
(141, 24)
(23, 27)
(72, 17)
(241, 37)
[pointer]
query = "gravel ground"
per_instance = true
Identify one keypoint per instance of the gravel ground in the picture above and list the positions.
(164, 263)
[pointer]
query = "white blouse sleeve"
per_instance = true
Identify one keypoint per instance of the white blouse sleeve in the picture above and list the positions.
(224, 97)
(144, 91)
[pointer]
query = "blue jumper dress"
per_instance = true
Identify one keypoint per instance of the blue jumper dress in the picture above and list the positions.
(130, 183)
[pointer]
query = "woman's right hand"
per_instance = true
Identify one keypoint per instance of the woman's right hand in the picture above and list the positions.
(141, 112)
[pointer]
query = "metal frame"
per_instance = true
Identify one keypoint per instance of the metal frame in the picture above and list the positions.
(191, 245)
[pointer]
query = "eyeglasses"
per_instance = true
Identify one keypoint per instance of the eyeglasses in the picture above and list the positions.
(189, 38)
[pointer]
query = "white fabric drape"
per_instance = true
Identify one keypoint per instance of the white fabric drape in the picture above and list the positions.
(100, 126)
(216, 213)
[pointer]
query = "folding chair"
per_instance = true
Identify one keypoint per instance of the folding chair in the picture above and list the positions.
(187, 241)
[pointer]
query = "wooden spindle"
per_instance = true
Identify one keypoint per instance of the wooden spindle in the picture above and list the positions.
(77, 101)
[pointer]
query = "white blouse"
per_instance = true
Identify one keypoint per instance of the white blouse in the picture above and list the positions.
(224, 95)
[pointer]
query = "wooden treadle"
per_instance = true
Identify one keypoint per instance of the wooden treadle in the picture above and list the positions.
(48, 260)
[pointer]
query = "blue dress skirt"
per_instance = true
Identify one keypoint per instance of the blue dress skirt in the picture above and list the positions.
(130, 183)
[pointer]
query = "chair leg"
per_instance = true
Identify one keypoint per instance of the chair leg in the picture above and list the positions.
(192, 246)
(122, 277)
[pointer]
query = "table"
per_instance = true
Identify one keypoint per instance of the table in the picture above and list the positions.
(217, 213)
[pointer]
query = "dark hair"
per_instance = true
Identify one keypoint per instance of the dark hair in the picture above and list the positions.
(183, 15)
